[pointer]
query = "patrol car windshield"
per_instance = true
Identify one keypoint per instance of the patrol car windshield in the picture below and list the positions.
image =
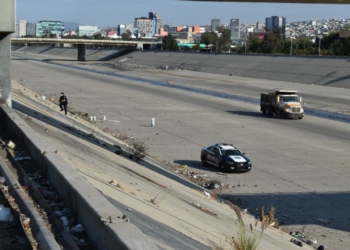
(289, 99)
(229, 152)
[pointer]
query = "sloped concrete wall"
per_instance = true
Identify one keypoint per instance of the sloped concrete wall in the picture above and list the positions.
(310, 70)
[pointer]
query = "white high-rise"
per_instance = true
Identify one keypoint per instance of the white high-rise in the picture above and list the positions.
(22, 28)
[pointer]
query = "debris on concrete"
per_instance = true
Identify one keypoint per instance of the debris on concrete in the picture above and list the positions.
(296, 242)
(207, 194)
(311, 242)
(197, 205)
(5, 213)
(113, 182)
(23, 158)
(78, 228)
(11, 145)
(64, 220)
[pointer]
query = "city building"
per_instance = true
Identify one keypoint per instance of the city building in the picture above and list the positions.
(215, 23)
(31, 29)
(87, 30)
(144, 27)
(121, 29)
(157, 20)
(235, 29)
(276, 23)
(260, 26)
(22, 31)
(45, 28)
(129, 27)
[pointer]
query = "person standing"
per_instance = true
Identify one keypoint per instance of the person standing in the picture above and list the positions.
(63, 103)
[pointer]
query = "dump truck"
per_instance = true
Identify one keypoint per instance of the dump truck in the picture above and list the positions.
(284, 103)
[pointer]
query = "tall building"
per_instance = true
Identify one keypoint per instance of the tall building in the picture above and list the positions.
(235, 29)
(22, 28)
(30, 29)
(45, 28)
(276, 23)
(144, 26)
(121, 29)
(157, 20)
(215, 23)
(87, 30)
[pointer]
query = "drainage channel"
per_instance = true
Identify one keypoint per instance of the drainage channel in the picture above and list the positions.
(44, 219)
(308, 111)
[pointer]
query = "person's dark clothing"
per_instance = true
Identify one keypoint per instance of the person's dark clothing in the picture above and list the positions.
(63, 103)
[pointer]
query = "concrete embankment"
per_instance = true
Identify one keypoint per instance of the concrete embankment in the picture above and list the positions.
(104, 224)
(326, 71)
(315, 70)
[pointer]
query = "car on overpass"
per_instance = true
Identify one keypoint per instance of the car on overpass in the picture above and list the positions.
(226, 157)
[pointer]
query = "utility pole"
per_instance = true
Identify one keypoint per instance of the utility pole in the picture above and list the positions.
(291, 46)
(319, 45)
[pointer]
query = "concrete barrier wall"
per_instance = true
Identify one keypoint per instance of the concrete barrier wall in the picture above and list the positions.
(69, 52)
(85, 202)
(316, 70)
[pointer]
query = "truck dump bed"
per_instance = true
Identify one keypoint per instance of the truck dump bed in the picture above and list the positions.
(268, 99)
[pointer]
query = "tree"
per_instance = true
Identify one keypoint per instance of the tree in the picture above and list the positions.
(170, 43)
(224, 40)
(196, 47)
(337, 48)
(273, 42)
(209, 38)
(127, 35)
(98, 36)
(254, 44)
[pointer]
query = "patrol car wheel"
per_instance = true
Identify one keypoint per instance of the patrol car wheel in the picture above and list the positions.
(221, 166)
(204, 161)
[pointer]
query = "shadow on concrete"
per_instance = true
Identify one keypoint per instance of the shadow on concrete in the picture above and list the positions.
(252, 114)
(199, 166)
(248, 113)
(59, 60)
(337, 80)
(297, 209)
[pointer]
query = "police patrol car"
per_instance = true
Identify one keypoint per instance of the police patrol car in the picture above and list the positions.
(226, 157)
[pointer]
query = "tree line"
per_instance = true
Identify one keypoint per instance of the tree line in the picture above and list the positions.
(275, 43)
(272, 43)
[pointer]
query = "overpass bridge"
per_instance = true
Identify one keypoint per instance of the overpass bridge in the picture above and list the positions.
(81, 43)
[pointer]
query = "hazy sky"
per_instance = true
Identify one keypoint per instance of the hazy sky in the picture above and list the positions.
(104, 13)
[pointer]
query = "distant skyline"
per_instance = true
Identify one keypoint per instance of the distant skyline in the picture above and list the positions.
(110, 13)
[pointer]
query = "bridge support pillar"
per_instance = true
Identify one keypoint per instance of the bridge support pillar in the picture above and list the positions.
(81, 52)
(7, 26)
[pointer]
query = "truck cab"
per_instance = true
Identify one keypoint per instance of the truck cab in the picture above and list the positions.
(285, 103)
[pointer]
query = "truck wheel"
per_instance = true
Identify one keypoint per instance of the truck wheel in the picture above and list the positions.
(300, 117)
(264, 111)
(269, 112)
(284, 115)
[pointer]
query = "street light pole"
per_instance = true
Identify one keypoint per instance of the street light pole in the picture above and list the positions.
(291, 46)
(319, 45)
